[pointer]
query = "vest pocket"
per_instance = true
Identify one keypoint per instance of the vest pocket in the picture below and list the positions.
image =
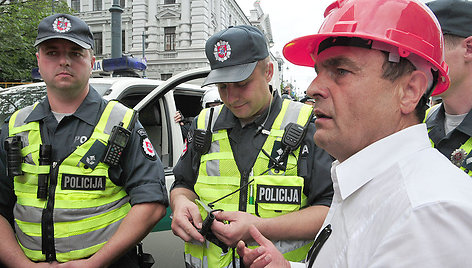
(277, 195)
(273, 210)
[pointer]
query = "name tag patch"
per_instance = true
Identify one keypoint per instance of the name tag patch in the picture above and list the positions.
(80, 182)
(279, 194)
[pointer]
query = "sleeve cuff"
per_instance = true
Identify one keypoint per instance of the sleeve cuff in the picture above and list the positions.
(147, 193)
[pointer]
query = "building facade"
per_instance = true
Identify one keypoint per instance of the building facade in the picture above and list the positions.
(169, 35)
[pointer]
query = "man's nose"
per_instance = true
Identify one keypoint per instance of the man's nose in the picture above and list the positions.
(232, 92)
(313, 89)
(320, 87)
(64, 59)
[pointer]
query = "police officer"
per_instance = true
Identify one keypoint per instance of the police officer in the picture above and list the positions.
(239, 166)
(450, 124)
(69, 197)
(210, 98)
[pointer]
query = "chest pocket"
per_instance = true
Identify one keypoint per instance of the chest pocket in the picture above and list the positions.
(278, 195)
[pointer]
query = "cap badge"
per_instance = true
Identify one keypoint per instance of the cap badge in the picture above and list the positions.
(222, 50)
(61, 25)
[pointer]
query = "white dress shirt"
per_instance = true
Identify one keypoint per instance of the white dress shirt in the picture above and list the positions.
(398, 203)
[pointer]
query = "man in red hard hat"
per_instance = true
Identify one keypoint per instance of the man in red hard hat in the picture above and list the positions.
(397, 201)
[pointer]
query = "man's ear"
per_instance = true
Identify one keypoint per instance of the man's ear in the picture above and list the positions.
(269, 71)
(414, 86)
(92, 62)
(467, 44)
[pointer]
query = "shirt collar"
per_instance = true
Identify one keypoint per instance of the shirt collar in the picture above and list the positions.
(41, 111)
(436, 117)
(371, 161)
(466, 124)
(87, 111)
(89, 108)
(436, 124)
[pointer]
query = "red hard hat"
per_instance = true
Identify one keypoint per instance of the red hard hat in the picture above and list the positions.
(406, 24)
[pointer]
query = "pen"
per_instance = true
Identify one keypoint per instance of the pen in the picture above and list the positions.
(251, 194)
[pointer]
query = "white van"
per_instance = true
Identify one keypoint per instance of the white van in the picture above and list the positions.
(157, 102)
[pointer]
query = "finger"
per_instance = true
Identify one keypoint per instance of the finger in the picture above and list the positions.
(223, 233)
(243, 252)
(248, 255)
(224, 215)
(258, 237)
(182, 224)
(240, 247)
(262, 261)
(179, 231)
(188, 232)
(219, 227)
(193, 232)
(196, 217)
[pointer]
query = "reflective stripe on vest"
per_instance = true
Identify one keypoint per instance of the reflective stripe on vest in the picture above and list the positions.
(219, 176)
(84, 220)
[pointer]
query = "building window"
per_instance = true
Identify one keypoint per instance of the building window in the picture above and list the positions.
(123, 41)
(169, 38)
(97, 5)
(122, 3)
(75, 5)
(168, 2)
(98, 43)
(164, 77)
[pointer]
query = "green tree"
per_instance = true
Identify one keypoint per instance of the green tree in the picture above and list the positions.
(18, 29)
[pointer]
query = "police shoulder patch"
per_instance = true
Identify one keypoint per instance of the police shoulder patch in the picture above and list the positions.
(146, 146)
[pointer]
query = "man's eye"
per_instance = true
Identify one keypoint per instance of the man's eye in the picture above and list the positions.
(340, 71)
(241, 84)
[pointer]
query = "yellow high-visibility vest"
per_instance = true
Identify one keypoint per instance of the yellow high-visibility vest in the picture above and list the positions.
(219, 176)
(83, 220)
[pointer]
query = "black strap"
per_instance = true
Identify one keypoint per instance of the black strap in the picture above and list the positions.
(319, 242)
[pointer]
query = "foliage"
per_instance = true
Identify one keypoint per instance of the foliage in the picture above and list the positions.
(18, 29)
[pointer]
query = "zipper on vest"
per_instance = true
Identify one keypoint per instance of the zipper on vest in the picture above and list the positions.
(243, 193)
(47, 223)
